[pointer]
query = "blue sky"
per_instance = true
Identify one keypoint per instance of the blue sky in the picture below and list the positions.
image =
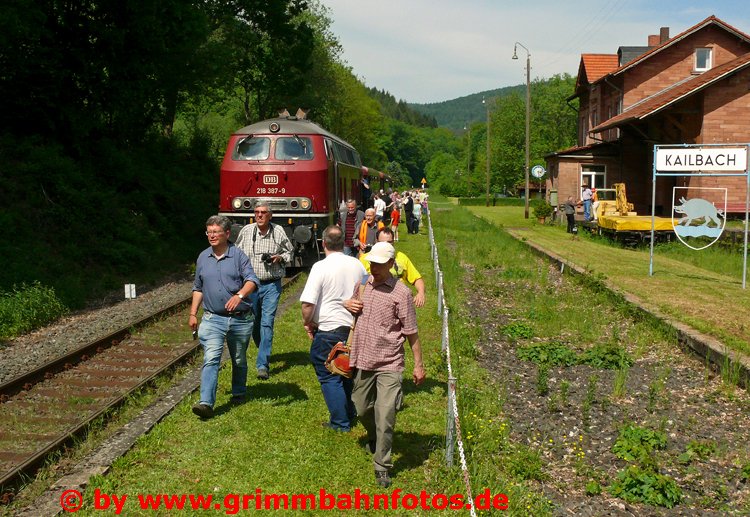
(436, 50)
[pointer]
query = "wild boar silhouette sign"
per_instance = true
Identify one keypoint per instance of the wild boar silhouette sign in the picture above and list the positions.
(700, 223)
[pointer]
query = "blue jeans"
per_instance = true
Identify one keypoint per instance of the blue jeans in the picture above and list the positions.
(212, 332)
(265, 302)
(587, 209)
(337, 390)
(352, 251)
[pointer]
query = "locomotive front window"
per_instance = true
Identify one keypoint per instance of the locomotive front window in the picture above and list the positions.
(252, 148)
(294, 148)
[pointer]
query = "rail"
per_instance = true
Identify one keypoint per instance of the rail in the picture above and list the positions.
(44, 409)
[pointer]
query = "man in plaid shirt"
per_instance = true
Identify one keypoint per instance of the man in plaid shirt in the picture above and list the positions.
(269, 249)
(387, 319)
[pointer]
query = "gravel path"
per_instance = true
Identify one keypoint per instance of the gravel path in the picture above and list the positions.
(32, 350)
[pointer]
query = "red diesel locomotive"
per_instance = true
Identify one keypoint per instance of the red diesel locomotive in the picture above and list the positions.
(304, 172)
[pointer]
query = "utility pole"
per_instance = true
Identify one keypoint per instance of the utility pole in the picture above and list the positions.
(487, 179)
(528, 118)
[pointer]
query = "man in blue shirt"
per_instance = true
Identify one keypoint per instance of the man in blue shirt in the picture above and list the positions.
(586, 198)
(224, 278)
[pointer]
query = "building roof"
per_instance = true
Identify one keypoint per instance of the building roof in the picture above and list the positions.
(627, 54)
(593, 67)
(675, 93)
(598, 65)
(581, 149)
(711, 20)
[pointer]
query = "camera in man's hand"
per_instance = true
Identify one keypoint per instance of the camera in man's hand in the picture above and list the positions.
(368, 248)
(267, 259)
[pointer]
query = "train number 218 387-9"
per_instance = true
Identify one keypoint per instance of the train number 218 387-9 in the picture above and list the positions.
(270, 190)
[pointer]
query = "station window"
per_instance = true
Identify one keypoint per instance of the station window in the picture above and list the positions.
(252, 148)
(594, 175)
(294, 148)
(702, 59)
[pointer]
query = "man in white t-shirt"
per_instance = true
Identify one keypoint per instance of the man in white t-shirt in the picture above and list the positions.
(379, 206)
(331, 282)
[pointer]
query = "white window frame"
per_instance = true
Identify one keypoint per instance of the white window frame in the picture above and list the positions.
(709, 59)
(593, 175)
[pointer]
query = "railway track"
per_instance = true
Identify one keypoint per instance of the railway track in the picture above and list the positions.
(44, 409)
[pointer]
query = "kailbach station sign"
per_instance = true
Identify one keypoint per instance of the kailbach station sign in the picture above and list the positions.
(701, 159)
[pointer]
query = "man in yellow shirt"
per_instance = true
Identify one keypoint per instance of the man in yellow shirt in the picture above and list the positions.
(402, 269)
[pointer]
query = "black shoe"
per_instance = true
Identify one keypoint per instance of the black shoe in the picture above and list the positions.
(238, 399)
(382, 478)
(262, 374)
(203, 410)
(370, 447)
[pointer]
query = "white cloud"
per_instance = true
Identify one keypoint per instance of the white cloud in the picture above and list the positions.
(436, 50)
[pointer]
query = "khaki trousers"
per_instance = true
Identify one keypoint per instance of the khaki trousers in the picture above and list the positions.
(377, 396)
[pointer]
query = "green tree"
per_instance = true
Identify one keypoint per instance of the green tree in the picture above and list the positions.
(271, 46)
(400, 177)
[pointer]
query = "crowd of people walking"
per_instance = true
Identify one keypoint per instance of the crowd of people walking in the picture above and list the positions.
(358, 293)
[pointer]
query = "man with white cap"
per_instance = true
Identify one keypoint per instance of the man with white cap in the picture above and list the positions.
(387, 318)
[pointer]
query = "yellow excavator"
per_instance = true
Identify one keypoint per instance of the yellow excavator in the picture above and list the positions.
(617, 206)
(619, 218)
(622, 206)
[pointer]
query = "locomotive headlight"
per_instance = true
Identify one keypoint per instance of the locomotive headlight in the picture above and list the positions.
(305, 204)
(236, 203)
(302, 234)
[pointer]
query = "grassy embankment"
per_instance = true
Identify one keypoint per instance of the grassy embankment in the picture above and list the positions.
(702, 289)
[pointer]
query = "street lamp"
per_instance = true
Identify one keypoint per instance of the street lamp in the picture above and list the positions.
(487, 195)
(528, 116)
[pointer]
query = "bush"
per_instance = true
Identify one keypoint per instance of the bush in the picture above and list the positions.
(646, 486)
(553, 353)
(27, 308)
(637, 444)
(542, 209)
(608, 356)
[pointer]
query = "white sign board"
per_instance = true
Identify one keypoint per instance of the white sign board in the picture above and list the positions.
(697, 159)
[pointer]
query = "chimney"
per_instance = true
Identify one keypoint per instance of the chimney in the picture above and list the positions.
(663, 34)
(653, 40)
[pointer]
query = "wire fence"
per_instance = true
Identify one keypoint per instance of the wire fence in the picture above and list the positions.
(452, 422)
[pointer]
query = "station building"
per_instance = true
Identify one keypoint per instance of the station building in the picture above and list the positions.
(693, 88)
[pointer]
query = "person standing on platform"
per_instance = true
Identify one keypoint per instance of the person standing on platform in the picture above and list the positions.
(586, 199)
(417, 215)
(224, 279)
(379, 206)
(395, 220)
(570, 213)
(409, 212)
(403, 268)
(269, 249)
(350, 220)
(368, 231)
